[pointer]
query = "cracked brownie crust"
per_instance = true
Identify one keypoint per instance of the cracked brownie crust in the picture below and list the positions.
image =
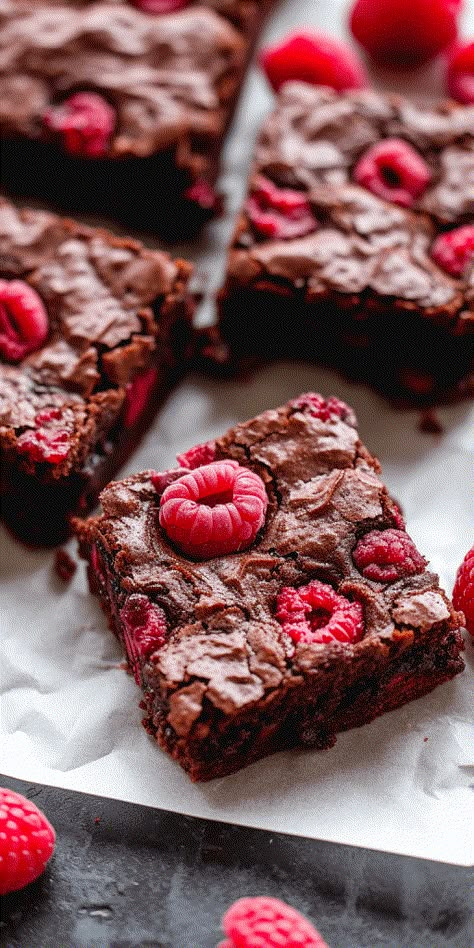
(224, 680)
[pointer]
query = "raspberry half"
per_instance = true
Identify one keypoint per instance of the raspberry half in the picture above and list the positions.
(26, 841)
(214, 510)
(24, 323)
(279, 212)
(200, 454)
(48, 441)
(460, 75)
(463, 592)
(325, 409)
(86, 122)
(454, 250)
(138, 394)
(394, 171)
(387, 555)
(404, 32)
(144, 630)
(314, 58)
(263, 922)
(316, 613)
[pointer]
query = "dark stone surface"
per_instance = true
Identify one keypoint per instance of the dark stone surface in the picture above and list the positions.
(126, 875)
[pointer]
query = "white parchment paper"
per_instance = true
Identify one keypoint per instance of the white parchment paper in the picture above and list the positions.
(69, 714)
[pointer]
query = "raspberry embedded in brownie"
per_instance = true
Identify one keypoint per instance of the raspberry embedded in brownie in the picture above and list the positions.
(320, 618)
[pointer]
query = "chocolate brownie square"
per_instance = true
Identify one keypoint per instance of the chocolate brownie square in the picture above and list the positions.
(93, 330)
(266, 593)
(120, 107)
(355, 246)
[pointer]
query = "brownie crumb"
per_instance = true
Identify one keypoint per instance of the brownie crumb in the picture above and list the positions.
(429, 423)
(64, 565)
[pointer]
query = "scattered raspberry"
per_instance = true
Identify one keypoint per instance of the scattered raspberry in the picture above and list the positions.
(47, 442)
(26, 841)
(316, 613)
(279, 212)
(214, 510)
(463, 592)
(204, 195)
(160, 6)
(138, 394)
(144, 630)
(394, 171)
(460, 76)
(453, 250)
(198, 455)
(326, 409)
(404, 32)
(86, 121)
(263, 922)
(64, 565)
(387, 555)
(314, 58)
(24, 322)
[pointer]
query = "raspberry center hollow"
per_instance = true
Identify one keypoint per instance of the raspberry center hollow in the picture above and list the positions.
(394, 171)
(316, 613)
(281, 213)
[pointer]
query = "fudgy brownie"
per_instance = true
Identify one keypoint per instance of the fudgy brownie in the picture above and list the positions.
(93, 329)
(120, 106)
(356, 244)
(266, 593)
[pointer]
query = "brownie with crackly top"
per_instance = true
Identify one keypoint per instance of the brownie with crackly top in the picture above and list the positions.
(120, 107)
(93, 331)
(266, 593)
(355, 246)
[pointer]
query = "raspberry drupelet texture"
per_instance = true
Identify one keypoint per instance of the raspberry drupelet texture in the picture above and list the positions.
(463, 592)
(279, 212)
(264, 922)
(144, 629)
(387, 555)
(24, 323)
(214, 510)
(454, 250)
(394, 171)
(26, 841)
(316, 613)
(314, 58)
(319, 407)
(198, 455)
(460, 74)
(85, 121)
(404, 32)
(49, 441)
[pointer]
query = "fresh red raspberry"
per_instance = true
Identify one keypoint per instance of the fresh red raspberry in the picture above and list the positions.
(144, 630)
(387, 555)
(404, 32)
(326, 409)
(138, 395)
(279, 212)
(198, 455)
(24, 322)
(86, 121)
(316, 613)
(214, 510)
(263, 922)
(315, 58)
(453, 250)
(160, 6)
(394, 171)
(460, 75)
(26, 841)
(463, 592)
(48, 441)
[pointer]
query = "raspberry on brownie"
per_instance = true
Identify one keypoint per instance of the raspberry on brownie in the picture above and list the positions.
(93, 329)
(266, 593)
(355, 244)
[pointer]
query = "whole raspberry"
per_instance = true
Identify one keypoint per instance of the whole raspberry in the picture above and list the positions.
(86, 122)
(214, 510)
(263, 922)
(279, 212)
(326, 409)
(387, 555)
(453, 250)
(314, 58)
(160, 6)
(198, 455)
(463, 592)
(48, 441)
(24, 322)
(138, 395)
(460, 75)
(26, 841)
(316, 613)
(394, 171)
(404, 32)
(144, 630)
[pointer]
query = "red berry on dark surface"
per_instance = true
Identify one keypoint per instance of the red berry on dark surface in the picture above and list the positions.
(317, 613)
(26, 841)
(387, 555)
(24, 323)
(454, 250)
(394, 171)
(85, 121)
(263, 922)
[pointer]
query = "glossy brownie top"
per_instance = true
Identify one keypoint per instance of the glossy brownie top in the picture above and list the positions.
(224, 640)
(312, 143)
